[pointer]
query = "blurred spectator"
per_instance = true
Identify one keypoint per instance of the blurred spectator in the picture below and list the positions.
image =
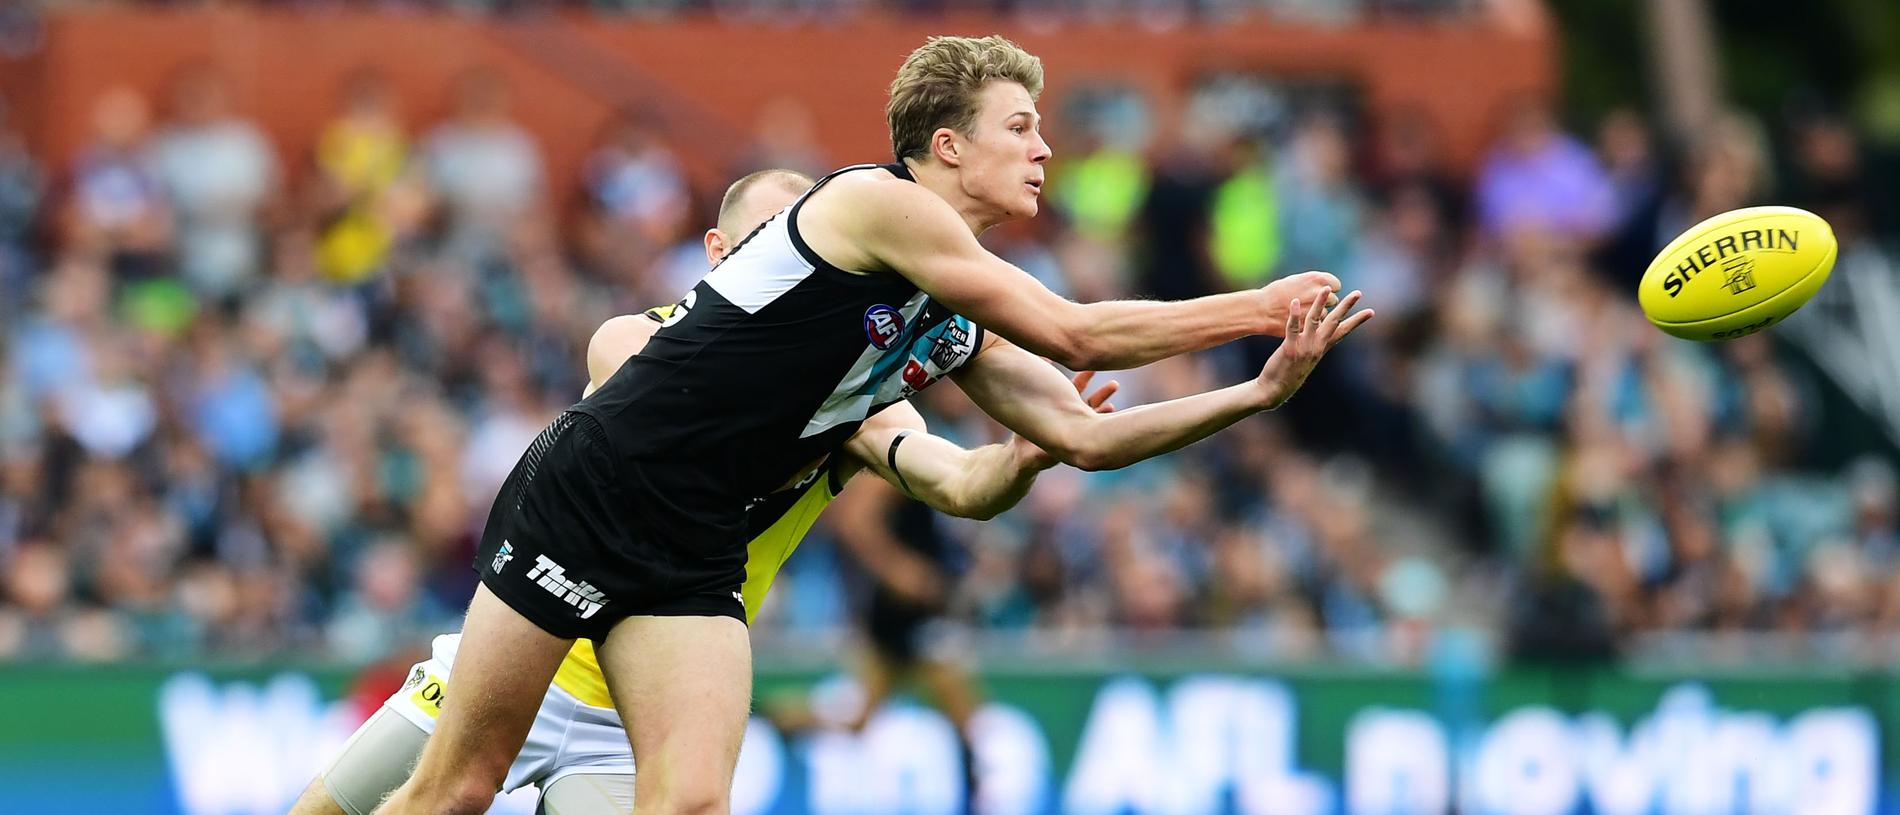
(1403, 253)
(1320, 207)
(1407, 153)
(111, 412)
(363, 200)
(1830, 179)
(220, 175)
(1629, 158)
(1245, 237)
(487, 171)
(1876, 493)
(118, 206)
(1539, 178)
(1102, 188)
(640, 205)
(1727, 169)
(1638, 182)
(226, 402)
(38, 584)
(786, 136)
(385, 610)
(1564, 610)
(1172, 251)
(503, 423)
(22, 186)
(635, 179)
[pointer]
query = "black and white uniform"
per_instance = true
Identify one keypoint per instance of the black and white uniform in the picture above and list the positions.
(634, 501)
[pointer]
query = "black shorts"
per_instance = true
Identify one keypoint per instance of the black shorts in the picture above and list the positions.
(565, 545)
(897, 628)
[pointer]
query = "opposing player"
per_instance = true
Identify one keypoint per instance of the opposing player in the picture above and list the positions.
(624, 522)
(577, 752)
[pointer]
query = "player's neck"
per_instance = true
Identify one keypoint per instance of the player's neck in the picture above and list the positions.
(945, 182)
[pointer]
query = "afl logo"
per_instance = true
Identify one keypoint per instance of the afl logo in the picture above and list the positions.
(882, 325)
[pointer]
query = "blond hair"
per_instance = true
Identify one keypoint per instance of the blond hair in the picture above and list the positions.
(939, 83)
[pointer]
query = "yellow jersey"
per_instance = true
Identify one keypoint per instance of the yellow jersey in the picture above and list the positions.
(785, 517)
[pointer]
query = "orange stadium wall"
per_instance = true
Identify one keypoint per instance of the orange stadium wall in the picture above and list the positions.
(708, 79)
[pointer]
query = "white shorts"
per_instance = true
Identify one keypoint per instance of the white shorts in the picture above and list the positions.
(567, 738)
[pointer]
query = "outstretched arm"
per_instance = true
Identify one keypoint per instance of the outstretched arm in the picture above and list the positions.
(861, 221)
(980, 483)
(1029, 397)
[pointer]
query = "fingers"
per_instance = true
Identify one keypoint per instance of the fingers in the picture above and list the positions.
(1293, 320)
(1101, 395)
(1351, 323)
(1317, 312)
(1345, 307)
(1081, 380)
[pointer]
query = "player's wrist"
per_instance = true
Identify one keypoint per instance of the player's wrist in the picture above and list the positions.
(1266, 318)
(1026, 458)
(1265, 392)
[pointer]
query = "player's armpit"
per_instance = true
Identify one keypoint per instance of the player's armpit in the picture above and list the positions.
(616, 340)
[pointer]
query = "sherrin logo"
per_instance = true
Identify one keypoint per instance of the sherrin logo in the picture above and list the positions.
(1717, 252)
(883, 325)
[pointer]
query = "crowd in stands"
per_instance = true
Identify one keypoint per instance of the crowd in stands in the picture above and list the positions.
(257, 403)
(1158, 13)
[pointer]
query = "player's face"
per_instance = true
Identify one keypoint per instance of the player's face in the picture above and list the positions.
(1001, 162)
(763, 200)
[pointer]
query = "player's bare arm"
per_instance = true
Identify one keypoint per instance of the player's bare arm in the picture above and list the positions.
(978, 483)
(876, 222)
(1030, 397)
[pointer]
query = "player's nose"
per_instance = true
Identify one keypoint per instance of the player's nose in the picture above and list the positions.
(1039, 151)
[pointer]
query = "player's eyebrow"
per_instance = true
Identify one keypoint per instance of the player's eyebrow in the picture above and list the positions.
(1035, 119)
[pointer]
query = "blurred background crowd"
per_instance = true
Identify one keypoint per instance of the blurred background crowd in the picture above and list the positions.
(254, 402)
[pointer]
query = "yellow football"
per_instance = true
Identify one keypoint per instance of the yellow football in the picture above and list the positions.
(1737, 273)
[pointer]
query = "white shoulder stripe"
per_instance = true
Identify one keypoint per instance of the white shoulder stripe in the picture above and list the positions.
(765, 268)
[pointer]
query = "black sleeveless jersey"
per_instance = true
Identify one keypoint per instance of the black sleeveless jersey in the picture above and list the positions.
(765, 368)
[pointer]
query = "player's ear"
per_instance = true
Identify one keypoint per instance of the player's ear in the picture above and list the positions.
(716, 246)
(944, 143)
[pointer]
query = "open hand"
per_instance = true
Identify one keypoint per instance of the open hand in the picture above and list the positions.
(1311, 331)
(1305, 287)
